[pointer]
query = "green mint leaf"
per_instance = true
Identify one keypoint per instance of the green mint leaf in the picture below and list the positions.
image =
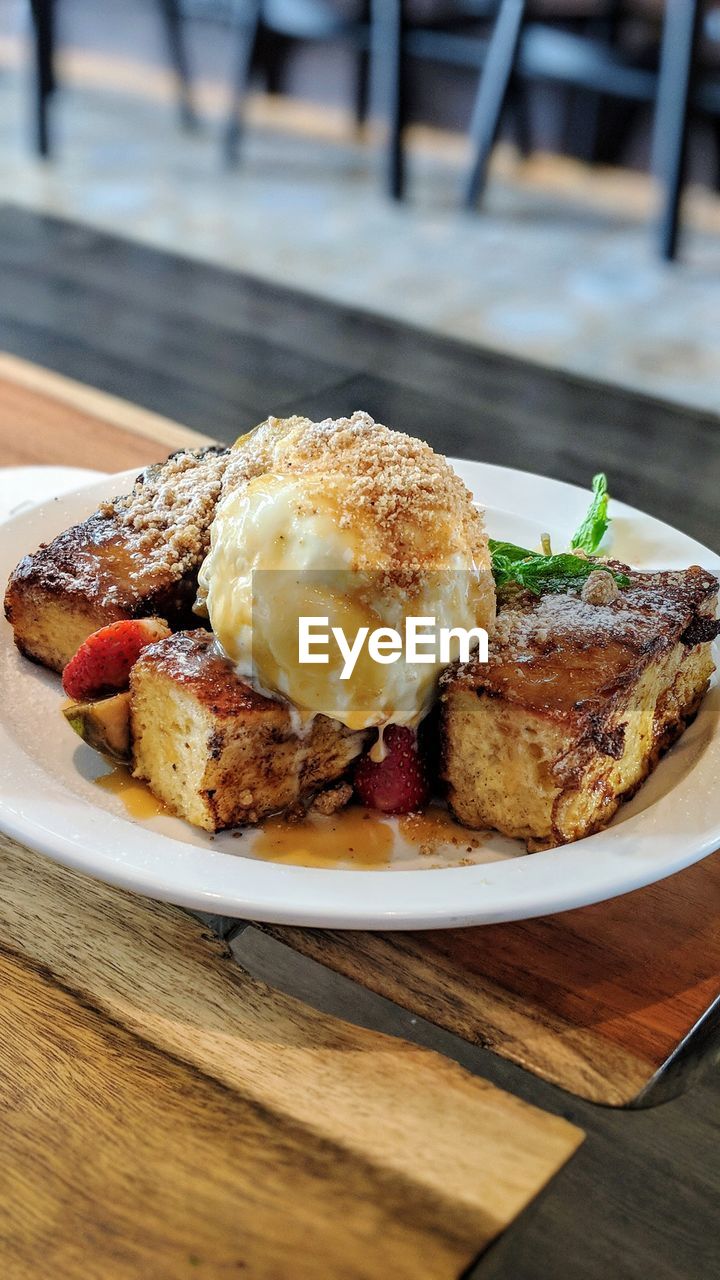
(539, 573)
(509, 551)
(595, 525)
(560, 573)
(504, 556)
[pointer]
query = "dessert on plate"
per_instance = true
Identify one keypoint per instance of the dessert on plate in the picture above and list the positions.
(174, 613)
(135, 557)
(576, 705)
(216, 751)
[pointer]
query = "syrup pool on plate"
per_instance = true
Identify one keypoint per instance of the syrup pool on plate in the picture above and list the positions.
(363, 839)
(137, 798)
(355, 838)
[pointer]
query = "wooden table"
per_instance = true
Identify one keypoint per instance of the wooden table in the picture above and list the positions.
(217, 352)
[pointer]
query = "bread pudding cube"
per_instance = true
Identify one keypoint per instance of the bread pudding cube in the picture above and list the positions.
(215, 751)
(136, 556)
(576, 705)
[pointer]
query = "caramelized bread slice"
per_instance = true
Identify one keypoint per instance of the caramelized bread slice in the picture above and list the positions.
(576, 705)
(136, 556)
(215, 751)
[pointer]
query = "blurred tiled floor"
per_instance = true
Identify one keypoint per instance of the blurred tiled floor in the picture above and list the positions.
(559, 267)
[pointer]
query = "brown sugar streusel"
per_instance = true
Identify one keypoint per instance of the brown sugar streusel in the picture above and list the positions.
(167, 516)
(376, 477)
(333, 799)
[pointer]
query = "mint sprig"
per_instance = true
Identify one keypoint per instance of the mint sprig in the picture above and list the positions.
(591, 532)
(512, 565)
(538, 573)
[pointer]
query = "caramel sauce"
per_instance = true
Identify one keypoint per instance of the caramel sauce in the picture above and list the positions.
(354, 835)
(136, 796)
(358, 838)
(435, 828)
(558, 681)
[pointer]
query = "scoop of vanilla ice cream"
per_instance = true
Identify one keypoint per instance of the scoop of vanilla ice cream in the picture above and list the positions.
(348, 521)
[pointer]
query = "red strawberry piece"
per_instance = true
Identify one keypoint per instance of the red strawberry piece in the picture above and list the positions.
(103, 661)
(399, 783)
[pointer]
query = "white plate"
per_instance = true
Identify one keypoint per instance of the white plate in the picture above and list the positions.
(51, 803)
(25, 487)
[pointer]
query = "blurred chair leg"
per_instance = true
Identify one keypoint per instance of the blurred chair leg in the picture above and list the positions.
(43, 15)
(390, 86)
(172, 18)
(362, 67)
(715, 126)
(585, 109)
(521, 122)
(247, 38)
(362, 86)
(679, 41)
(272, 51)
(492, 92)
(581, 110)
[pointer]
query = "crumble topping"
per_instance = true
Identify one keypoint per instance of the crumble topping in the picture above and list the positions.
(376, 477)
(599, 588)
(332, 799)
(166, 518)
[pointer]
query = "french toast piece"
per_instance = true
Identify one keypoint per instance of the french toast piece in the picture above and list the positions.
(215, 751)
(576, 705)
(136, 556)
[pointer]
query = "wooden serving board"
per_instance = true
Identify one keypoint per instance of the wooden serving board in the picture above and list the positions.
(611, 1002)
(617, 1002)
(165, 1114)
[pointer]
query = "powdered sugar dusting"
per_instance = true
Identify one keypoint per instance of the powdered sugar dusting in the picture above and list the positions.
(653, 604)
(555, 618)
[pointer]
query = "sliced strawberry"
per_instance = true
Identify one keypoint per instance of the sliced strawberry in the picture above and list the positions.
(399, 783)
(103, 661)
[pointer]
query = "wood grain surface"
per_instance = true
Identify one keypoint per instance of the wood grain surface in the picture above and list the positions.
(596, 1000)
(162, 1110)
(49, 420)
(219, 351)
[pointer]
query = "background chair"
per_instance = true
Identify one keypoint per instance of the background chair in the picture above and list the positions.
(44, 14)
(477, 34)
(266, 29)
(599, 64)
(455, 34)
